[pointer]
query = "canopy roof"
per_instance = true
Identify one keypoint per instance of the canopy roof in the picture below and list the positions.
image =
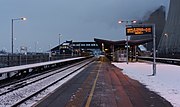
(108, 43)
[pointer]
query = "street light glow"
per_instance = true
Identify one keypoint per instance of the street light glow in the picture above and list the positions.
(120, 22)
(134, 21)
(166, 34)
(23, 18)
(127, 21)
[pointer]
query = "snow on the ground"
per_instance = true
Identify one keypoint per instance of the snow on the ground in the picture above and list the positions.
(18, 95)
(166, 82)
(35, 100)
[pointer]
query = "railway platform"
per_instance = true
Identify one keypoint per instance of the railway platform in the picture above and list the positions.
(103, 85)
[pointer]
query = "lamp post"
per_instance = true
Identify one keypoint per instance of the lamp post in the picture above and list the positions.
(12, 39)
(60, 44)
(166, 36)
(35, 46)
(127, 21)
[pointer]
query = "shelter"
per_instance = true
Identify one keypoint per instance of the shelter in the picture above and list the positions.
(110, 48)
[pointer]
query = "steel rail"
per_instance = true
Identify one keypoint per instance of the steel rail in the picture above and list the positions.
(22, 83)
(36, 93)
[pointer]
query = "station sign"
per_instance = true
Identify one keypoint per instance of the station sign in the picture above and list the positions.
(139, 30)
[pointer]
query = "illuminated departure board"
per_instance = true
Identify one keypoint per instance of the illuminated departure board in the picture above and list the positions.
(138, 30)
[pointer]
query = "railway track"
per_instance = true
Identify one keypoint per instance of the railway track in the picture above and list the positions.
(20, 92)
(162, 60)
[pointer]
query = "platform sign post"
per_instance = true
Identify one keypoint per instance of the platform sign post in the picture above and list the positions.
(154, 51)
(144, 29)
(127, 50)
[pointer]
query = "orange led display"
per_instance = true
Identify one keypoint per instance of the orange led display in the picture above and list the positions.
(138, 30)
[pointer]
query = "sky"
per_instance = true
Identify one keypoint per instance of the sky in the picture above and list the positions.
(77, 20)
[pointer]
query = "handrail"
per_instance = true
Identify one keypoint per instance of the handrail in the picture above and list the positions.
(28, 66)
(165, 60)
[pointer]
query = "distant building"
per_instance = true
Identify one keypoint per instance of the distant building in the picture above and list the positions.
(157, 17)
(3, 52)
(75, 48)
(169, 45)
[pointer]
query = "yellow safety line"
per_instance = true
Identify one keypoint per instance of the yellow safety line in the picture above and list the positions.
(92, 91)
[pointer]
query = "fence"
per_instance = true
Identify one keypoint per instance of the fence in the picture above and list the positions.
(21, 59)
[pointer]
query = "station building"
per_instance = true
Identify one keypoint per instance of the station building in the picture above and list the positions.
(76, 48)
(114, 50)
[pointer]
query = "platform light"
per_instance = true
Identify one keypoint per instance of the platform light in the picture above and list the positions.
(127, 21)
(12, 39)
(23, 18)
(120, 22)
(134, 21)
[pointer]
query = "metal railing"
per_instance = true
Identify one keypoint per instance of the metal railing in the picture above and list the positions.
(21, 59)
(162, 60)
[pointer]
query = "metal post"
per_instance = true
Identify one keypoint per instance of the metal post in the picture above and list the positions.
(133, 21)
(20, 57)
(49, 52)
(102, 47)
(12, 47)
(72, 50)
(26, 58)
(59, 44)
(135, 52)
(166, 36)
(12, 41)
(154, 51)
(127, 50)
(113, 53)
(35, 47)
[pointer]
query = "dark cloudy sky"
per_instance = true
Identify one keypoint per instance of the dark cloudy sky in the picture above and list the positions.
(77, 20)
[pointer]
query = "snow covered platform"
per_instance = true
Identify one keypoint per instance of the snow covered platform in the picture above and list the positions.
(17, 71)
(114, 89)
(22, 67)
(165, 82)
